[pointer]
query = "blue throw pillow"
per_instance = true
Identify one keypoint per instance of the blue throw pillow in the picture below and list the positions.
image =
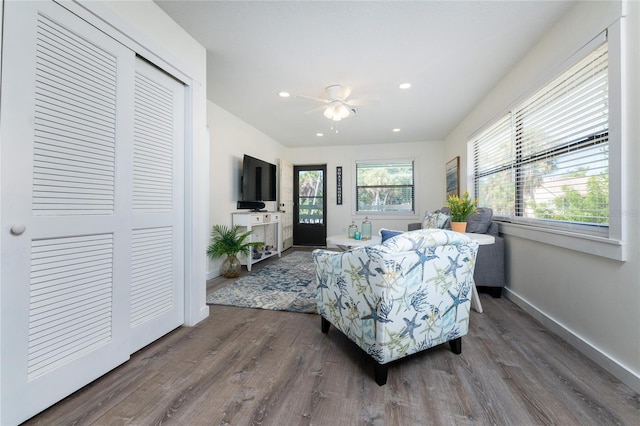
(387, 233)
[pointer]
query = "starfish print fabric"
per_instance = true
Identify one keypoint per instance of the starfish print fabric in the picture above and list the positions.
(410, 293)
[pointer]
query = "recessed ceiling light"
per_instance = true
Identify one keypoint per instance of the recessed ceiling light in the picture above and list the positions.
(405, 85)
(396, 130)
(319, 134)
(284, 94)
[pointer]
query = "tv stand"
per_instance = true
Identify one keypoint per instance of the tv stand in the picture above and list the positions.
(267, 227)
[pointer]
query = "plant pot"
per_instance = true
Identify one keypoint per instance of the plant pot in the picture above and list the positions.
(230, 267)
(459, 226)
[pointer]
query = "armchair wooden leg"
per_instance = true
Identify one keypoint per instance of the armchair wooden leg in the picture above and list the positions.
(325, 325)
(456, 345)
(380, 373)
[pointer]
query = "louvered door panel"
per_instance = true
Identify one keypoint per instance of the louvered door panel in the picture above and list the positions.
(152, 147)
(75, 124)
(67, 126)
(157, 290)
(151, 274)
(70, 299)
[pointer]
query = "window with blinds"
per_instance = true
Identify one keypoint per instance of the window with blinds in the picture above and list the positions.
(385, 187)
(547, 160)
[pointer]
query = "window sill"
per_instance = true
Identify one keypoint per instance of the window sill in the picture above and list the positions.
(597, 246)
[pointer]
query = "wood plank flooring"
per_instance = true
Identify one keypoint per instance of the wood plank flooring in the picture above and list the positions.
(255, 367)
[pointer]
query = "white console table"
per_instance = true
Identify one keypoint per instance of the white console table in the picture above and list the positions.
(266, 227)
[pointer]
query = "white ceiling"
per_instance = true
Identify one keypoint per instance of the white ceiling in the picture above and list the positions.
(452, 52)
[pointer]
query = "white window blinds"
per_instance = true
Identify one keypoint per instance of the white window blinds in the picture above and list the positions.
(547, 160)
(493, 163)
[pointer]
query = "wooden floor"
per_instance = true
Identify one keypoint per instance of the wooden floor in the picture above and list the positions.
(249, 366)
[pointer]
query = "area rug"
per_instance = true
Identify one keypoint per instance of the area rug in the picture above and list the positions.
(288, 284)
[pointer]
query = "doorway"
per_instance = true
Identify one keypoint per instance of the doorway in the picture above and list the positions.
(310, 205)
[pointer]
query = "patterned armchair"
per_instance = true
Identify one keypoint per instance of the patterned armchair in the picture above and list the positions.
(408, 294)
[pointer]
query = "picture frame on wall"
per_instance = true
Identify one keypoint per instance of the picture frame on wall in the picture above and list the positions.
(453, 177)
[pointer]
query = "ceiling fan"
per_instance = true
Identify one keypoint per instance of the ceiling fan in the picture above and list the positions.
(338, 106)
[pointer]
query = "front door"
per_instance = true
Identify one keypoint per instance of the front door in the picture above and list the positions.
(310, 205)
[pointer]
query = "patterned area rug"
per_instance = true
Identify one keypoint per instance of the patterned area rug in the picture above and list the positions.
(289, 284)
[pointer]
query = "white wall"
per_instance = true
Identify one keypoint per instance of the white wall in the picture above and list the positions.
(591, 301)
(230, 138)
(430, 180)
(159, 34)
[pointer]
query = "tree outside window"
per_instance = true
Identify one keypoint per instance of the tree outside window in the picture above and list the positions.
(385, 187)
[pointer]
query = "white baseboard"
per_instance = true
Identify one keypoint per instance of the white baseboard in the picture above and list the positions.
(204, 313)
(213, 274)
(622, 373)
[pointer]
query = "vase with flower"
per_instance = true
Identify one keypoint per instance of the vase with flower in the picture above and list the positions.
(460, 210)
(230, 241)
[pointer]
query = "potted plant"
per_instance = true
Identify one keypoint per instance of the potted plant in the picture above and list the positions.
(460, 209)
(230, 242)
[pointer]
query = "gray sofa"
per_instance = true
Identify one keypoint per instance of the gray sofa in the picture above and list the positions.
(489, 272)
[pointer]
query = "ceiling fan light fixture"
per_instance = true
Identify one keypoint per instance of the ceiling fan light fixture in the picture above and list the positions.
(343, 110)
(336, 111)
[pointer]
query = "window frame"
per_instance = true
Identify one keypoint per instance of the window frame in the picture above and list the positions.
(386, 214)
(576, 236)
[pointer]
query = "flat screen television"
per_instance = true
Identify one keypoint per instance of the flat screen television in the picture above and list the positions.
(258, 180)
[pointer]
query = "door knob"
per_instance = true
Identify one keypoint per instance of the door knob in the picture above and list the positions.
(18, 229)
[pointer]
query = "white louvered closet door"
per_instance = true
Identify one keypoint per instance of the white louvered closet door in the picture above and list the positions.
(157, 255)
(90, 224)
(286, 202)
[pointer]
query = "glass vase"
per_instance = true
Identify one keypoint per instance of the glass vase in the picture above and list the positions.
(230, 267)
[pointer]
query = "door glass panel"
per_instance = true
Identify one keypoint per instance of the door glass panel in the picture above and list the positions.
(311, 197)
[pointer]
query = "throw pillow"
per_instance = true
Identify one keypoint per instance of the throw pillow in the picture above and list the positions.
(447, 212)
(388, 233)
(434, 220)
(479, 222)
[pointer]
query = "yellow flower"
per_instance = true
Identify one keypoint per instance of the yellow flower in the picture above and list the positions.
(461, 207)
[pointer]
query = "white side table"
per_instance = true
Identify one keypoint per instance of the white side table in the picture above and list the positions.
(482, 239)
(345, 243)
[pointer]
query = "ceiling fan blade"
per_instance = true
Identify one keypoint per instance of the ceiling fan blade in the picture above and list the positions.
(313, 98)
(316, 109)
(346, 91)
(360, 102)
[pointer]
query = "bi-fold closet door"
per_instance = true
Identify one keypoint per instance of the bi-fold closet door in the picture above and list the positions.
(92, 184)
